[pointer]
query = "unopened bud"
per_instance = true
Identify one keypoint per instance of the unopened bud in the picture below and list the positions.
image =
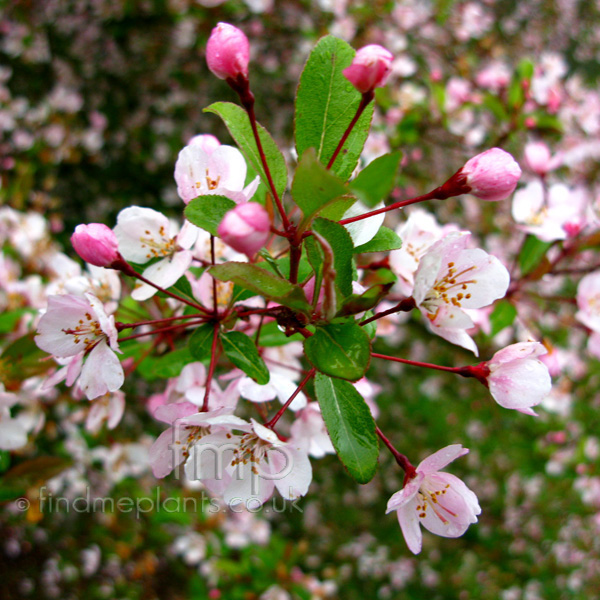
(492, 175)
(370, 68)
(96, 244)
(245, 228)
(228, 52)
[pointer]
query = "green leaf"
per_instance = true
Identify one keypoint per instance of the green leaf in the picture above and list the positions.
(503, 315)
(260, 281)
(181, 287)
(200, 342)
(326, 102)
(377, 179)
(271, 335)
(370, 328)
(314, 187)
(242, 352)
(22, 359)
(340, 350)
(384, 241)
(532, 253)
(316, 258)
(368, 299)
(9, 319)
(167, 366)
(341, 243)
(238, 123)
(525, 69)
(350, 426)
(207, 212)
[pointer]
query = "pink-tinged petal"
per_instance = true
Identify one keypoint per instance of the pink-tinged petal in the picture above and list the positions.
(116, 408)
(406, 494)
(165, 454)
(64, 313)
(74, 369)
(210, 459)
(187, 236)
(438, 460)
(451, 513)
(519, 351)
(451, 324)
(102, 372)
(484, 275)
(266, 434)
(164, 273)
(291, 471)
(141, 233)
(229, 166)
(409, 524)
(250, 390)
(247, 487)
(169, 413)
(520, 384)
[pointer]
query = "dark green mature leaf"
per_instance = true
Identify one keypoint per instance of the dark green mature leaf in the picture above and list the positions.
(326, 102)
(315, 188)
(377, 179)
(207, 212)
(341, 243)
(236, 120)
(260, 281)
(242, 352)
(384, 241)
(532, 253)
(339, 350)
(503, 315)
(200, 342)
(350, 426)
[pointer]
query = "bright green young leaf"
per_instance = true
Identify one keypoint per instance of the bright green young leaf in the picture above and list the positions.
(242, 352)
(314, 187)
(374, 183)
(340, 350)
(9, 319)
(207, 212)
(181, 287)
(384, 241)
(326, 103)
(341, 243)
(503, 315)
(350, 426)
(260, 281)
(236, 120)
(200, 342)
(532, 253)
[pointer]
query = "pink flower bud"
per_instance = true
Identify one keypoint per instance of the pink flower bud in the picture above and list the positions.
(96, 244)
(370, 68)
(245, 228)
(491, 175)
(539, 159)
(228, 52)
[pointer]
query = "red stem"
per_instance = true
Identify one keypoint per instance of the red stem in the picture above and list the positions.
(211, 368)
(121, 326)
(364, 102)
(401, 459)
(400, 204)
(405, 305)
(270, 424)
(164, 330)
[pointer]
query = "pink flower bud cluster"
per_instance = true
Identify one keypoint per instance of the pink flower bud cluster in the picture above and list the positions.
(370, 68)
(228, 52)
(245, 228)
(96, 244)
